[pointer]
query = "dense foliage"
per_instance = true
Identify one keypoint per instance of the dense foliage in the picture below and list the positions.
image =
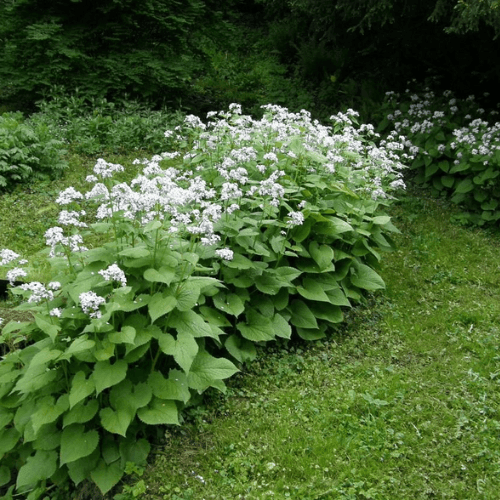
(249, 231)
(456, 145)
(147, 48)
(27, 151)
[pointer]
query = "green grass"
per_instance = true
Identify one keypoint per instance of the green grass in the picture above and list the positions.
(403, 402)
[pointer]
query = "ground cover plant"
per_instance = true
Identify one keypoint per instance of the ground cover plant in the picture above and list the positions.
(401, 403)
(456, 145)
(162, 286)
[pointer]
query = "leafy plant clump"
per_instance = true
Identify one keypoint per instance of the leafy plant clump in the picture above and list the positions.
(95, 125)
(27, 152)
(456, 147)
(249, 231)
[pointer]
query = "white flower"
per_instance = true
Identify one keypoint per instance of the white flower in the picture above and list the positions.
(90, 302)
(54, 285)
(225, 253)
(7, 256)
(105, 169)
(296, 219)
(56, 312)
(68, 195)
(114, 273)
(15, 273)
(38, 292)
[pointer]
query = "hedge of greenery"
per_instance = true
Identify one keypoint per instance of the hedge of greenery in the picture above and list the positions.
(456, 144)
(249, 231)
(27, 152)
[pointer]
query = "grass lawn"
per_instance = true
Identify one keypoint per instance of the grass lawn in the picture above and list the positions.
(403, 402)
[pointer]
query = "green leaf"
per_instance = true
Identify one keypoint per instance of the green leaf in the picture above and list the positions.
(76, 443)
(135, 252)
(312, 290)
(48, 412)
(337, 297)
(214, 317)
(159, 412)
(257, 328)
(106, 476)
(184, 348)
(37, 468)
(81, 413)
(302, 316)
(106, 375)
(322, 254)
(4, 475)
(191, 323)
(35, 378)
(281, 326)
(241, 349)
(129, 396)
(175, 387)
(448, 181)
(230, 303)
(125, 336)
(46, 327)
(284, 274)
(80, 388)
(80, 469)
(311, 334)
(464, 186)
(187, 296)
(48, 439)
(162, 275)
(160, 304)
(267, 283)
(327, 312)
(300, 233)
(116, 422)
(8, 439)
(365, 277)
(134, 450)
(207, 370)
(45, 356)
(239, 262)
(333, 226)
(79, 345)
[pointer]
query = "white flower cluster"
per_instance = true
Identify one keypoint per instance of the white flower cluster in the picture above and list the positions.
(55, 236)
(15, 273)
(225, 253)
(114, 273)
(90, 302)
(296, 219)
(38, 292)
(7, 256)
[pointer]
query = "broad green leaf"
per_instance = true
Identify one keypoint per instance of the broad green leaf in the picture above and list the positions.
(300, 233)
(187, 296)
(4, 475)
(76, 443)
(337, 297)
(80, 469)
(125, 336)
(79, 345)
(37, 468)
(214, 317)
(365, 277)
(48, 439)
(135, 252)
(464, 186)
(207, 370)
(281, 326)
(152, 226)
(183, 348)
(106, 476)
(239, 262)
(116, 422)
(48, 412)
(311, 334)
(81, 413)
(8, 439)
(302, 317)
(36, 378)
(190, 323)
(50, 329)
(327, 312)
(280, 300)
(175, 387)
(241, 349)
(285, 274)
(159, 412)
(448, 180)
(264, 304)
(129, 396)
(134, 450)
(109, 449)
(160, 305)
(230, 303)
(257, 328)
(45, 356)
(162, 275)
(107, 375)
(312, 290)
(267, 283)
(381, 220)
(321, 254)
